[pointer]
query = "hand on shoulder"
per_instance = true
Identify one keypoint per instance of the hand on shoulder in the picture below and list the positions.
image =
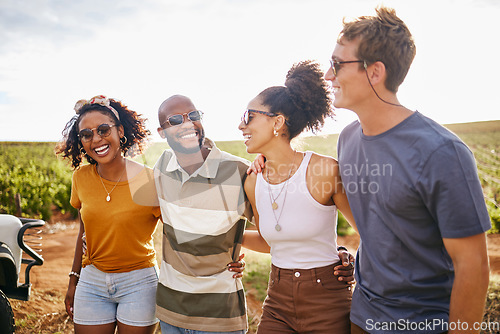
(257, 165)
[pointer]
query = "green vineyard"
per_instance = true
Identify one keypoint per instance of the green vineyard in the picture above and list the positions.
(43, 182)
(483, 138)
(32, 171)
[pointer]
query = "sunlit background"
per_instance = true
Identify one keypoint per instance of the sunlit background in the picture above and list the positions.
(221, 53)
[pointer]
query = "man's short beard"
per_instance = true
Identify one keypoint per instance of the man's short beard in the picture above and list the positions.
(177, 147)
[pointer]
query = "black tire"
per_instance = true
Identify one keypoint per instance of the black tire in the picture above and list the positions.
(6, 315)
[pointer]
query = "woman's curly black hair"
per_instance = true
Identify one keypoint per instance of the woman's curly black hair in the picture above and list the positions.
(133, 125)
(304, 100)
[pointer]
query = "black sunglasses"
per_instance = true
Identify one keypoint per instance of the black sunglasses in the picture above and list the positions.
(103, 130)
(246, 118)
(336, 65)
(178, 119)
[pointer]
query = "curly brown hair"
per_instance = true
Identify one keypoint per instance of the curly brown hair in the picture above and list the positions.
(304, 100)
(133, 125)
(384, 38)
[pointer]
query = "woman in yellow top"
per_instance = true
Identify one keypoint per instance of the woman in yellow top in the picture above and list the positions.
(114, 275)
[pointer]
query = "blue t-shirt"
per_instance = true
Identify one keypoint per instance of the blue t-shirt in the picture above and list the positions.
(408, 188)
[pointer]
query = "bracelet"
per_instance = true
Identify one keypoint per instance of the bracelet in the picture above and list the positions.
(342, 247)
(72, 273)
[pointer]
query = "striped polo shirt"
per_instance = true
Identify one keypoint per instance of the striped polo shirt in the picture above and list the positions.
(203, 224)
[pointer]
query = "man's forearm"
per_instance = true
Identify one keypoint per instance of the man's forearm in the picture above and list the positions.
(468, 297)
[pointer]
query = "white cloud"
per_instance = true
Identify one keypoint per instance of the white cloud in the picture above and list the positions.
(221, 54)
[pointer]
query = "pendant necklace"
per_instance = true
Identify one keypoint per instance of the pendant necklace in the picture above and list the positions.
(273, 199)
(274, 205)
(108, 198)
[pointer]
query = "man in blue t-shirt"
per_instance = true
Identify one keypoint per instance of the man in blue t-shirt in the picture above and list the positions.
(422, 264)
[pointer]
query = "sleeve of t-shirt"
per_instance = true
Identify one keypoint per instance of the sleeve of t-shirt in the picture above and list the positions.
(75, 199)
(450, 188)
(143, 189)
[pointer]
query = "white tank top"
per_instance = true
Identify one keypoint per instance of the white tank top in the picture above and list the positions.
(308, 235)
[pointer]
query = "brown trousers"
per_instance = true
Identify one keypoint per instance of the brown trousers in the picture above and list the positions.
(306, 301)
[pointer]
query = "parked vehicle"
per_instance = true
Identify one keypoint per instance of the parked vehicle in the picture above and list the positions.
(17, 235)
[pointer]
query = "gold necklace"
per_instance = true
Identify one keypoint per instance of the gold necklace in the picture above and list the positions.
(274, 205)
(273, 199)
(108, 198)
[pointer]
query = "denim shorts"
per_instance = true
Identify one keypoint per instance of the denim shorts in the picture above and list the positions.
(103, 298)
(169, 329)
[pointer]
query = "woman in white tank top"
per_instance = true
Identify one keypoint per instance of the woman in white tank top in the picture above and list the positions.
(295, 201)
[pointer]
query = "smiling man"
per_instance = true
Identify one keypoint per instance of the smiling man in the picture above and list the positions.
(425, 217)
(203, 209)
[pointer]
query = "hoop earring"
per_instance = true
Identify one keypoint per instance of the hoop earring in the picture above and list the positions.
(82, 151)
(123, 140)
(276, 134)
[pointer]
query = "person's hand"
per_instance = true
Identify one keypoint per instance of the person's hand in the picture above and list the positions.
(69, 300)
(257, 165)
(345, 271)
(237, 266)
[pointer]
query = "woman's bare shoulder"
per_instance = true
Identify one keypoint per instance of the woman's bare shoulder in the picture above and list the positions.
(323, 165)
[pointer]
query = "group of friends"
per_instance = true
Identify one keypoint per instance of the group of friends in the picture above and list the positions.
(407, 185)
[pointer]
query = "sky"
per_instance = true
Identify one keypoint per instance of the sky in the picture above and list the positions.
(222, 53)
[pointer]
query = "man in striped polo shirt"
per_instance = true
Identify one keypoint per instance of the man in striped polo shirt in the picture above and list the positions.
(203, 207)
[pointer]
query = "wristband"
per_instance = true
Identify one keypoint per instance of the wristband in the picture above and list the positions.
(72, 273)
(342, 247)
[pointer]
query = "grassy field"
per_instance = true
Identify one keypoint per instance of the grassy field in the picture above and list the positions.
(43, 182)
